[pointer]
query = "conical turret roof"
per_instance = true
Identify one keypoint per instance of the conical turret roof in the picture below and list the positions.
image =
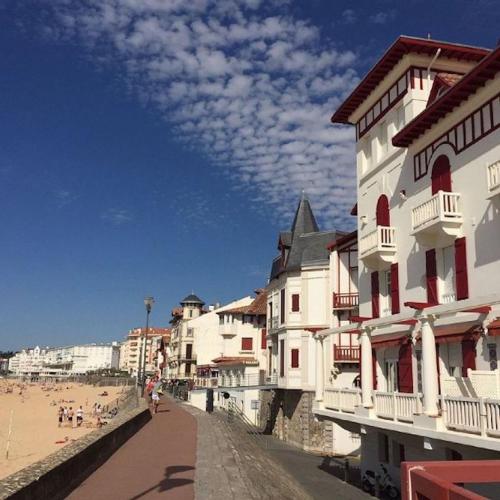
(304, 221)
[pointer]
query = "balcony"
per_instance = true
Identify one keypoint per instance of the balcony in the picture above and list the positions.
(345, 301)
(346, 354)
(399, 406)
(378, 248)
(273, 323)
(344, 400)
(472, 415)
(208, 382)
(186, 359)
(227, 330)
(493, 176)
(438, 221)
(250, 380)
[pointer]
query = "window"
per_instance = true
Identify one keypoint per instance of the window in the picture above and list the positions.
(386, 308)
(400, 118)
(282, 358)
(448, 275)
(375, 295)
(383, 447)
(295, 302)
(190, 313)
(394, 288)
(382, 139)
(391, 373)
(263, 341)
(367, 150)
(295, 358)
(282, 305)
(189, 332)
(246, 343)
(431, 276)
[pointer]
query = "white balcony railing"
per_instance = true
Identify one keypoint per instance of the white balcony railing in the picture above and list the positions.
(381, 239)
(442, 207)
(344, 400)
(397, 405)
(494, 177)
(249, 380)
(462, 414)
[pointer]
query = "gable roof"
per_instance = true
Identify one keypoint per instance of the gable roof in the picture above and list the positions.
(449, 100)
(402, 46)
(256, 308)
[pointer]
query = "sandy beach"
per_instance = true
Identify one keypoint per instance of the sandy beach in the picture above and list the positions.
(35, 419)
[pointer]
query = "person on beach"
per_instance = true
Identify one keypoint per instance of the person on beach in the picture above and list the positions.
(60, 415)
(79, 417)
(65, 413)
(70, 416)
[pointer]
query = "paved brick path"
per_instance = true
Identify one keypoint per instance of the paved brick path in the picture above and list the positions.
(159, 461)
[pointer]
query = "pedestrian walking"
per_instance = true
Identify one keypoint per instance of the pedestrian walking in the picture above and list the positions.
(60, 414)
(71, 414)
(79, 417)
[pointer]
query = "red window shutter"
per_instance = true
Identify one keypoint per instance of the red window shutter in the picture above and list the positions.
(295, 358)
(468, 356)
(282, 304)
(394, 288)
(405, 370)
(295, 302)
(282, 358)
(382, 212)
(246, 344)
(374, 368)
(431, 275)
(462, 282)
(375, 295)
(263, 342)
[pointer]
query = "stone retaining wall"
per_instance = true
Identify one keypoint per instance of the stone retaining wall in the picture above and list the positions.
(57, 475)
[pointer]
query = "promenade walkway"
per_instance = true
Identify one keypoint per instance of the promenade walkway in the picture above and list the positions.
(158, 462)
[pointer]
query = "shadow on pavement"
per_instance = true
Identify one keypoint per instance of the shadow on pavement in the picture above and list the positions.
(169, 482)
(336, 468)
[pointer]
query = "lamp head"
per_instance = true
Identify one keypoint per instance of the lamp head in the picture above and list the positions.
(148, 302)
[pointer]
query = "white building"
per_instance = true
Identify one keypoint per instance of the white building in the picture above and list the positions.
(300, 294)
(132, 350)
(181, 357)
(65, 361)
(28, 362)
(427, 120)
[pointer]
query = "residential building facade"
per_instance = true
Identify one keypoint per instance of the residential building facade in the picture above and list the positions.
(427, 120)
(299, 304)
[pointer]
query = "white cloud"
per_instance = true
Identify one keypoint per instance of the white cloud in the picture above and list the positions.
(116, 216)
(242, 81)
(382, 17)
(349, 16)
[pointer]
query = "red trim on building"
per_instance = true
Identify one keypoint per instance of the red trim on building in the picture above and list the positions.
(402, 46)
(453, 97)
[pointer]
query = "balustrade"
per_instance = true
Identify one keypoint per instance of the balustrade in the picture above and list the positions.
(344, 400)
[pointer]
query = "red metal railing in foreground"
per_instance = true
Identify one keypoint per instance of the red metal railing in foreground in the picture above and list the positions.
(346, 353)
(438, 480)
(345, 300)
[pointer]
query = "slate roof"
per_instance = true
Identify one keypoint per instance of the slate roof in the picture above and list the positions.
(308, 245)
(192, 299)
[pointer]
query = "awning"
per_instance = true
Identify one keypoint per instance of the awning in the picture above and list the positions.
(455, 333)
(389, 340)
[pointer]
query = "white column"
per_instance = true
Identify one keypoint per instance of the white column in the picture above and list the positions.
(366, 370)
(320, 370)
(430, 383)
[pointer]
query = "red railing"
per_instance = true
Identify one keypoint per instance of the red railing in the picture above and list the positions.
(345, 300)
(440, 480)
(346, 353)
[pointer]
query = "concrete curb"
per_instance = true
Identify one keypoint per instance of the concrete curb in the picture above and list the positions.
(61, 472)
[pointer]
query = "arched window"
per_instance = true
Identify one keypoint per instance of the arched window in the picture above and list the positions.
(441, 175)
(383, 216)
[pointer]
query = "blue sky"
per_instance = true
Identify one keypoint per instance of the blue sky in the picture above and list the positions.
(156, 147)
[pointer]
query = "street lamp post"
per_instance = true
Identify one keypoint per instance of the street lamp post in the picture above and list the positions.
(148, 302)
